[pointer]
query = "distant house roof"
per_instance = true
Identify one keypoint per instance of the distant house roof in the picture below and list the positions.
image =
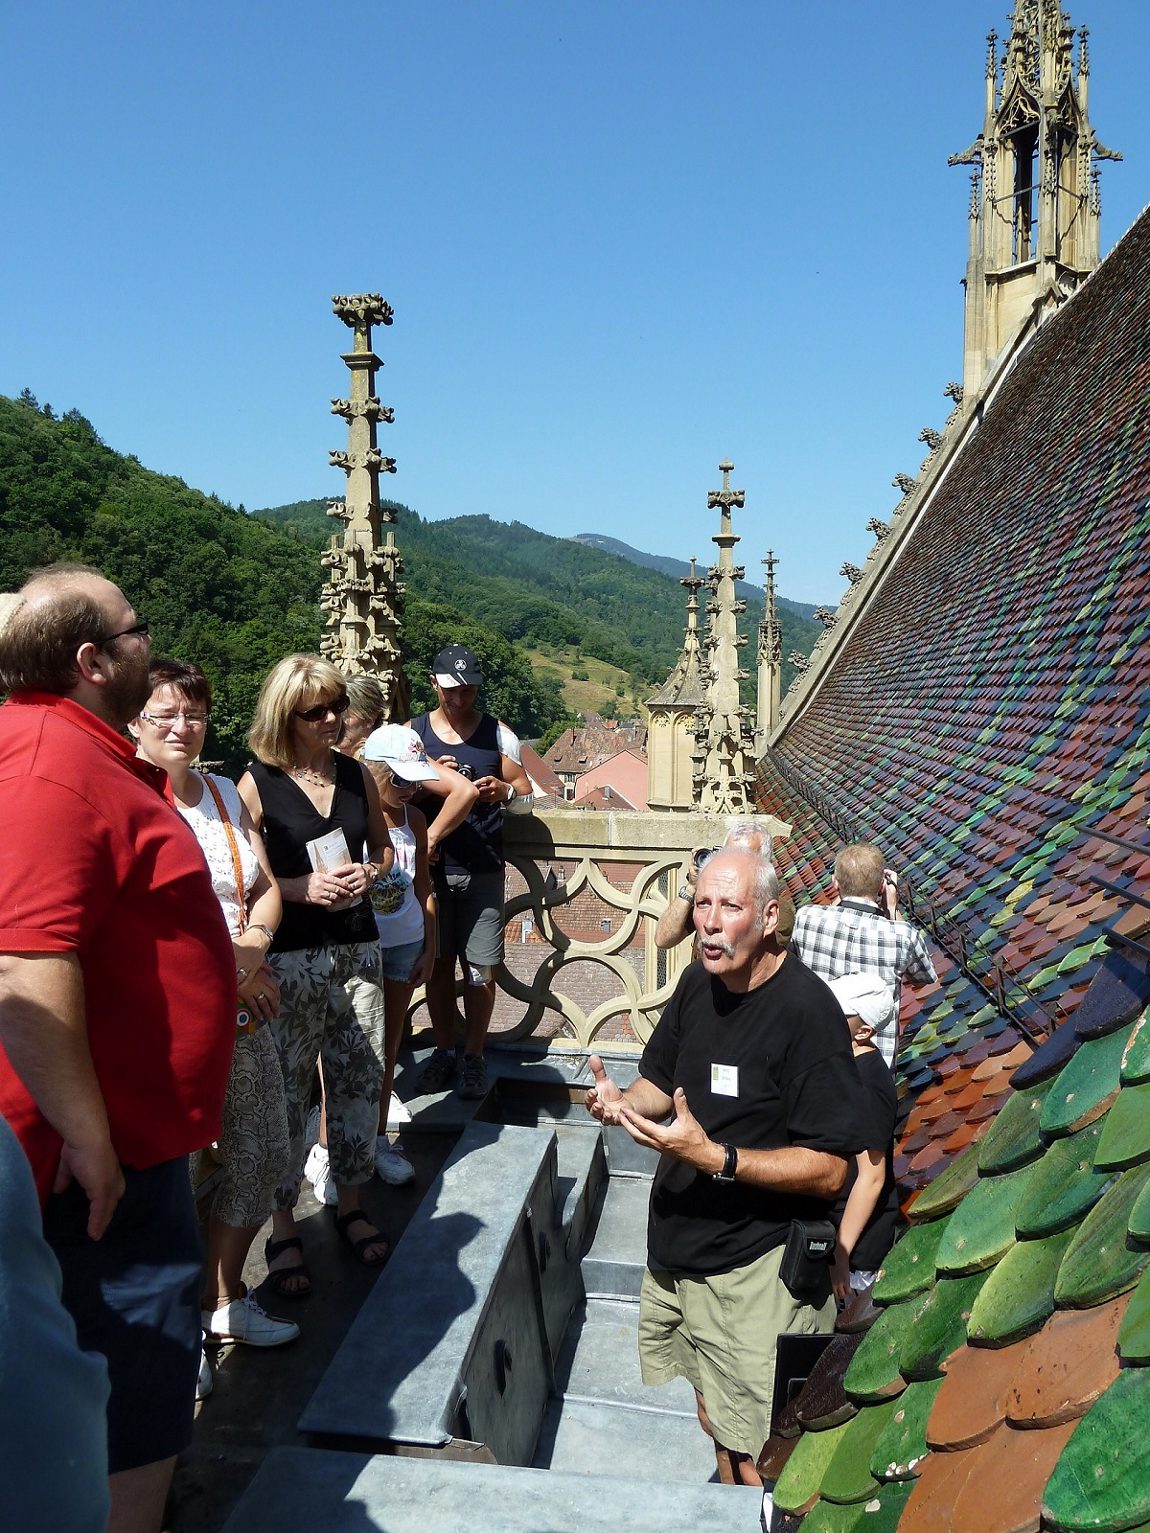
(543, 780)
(621, 777)
(578, 750)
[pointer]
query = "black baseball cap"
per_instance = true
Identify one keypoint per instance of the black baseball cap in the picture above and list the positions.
(456, 666)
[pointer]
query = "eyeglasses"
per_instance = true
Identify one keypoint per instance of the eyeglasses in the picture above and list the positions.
(170, 720)
(140, 630)
(321, 710)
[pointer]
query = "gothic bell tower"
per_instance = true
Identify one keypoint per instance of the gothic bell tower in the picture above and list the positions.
(1034, 204)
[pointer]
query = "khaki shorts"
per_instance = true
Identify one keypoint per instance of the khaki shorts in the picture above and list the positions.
(720, 1333)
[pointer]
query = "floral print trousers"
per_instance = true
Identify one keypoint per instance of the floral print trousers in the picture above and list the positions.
(253, 1145)
(331, 1009)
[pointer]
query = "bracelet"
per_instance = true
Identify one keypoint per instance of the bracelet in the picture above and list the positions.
(686, 892)
(267, 931)
(510, 793)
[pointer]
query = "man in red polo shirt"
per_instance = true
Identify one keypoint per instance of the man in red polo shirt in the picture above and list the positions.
(117, 1009)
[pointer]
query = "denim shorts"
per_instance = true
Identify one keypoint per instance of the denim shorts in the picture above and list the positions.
(399, 961)
(135, 1297)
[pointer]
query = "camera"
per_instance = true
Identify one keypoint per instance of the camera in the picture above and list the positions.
(466, 770)
(701, 855)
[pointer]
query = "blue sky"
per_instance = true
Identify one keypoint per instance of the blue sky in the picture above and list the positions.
(623, 239)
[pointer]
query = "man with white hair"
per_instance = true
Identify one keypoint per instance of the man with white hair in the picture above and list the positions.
(750, 1066)
(677, 921)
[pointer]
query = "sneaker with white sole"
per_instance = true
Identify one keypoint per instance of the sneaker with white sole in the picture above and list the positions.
(246, 1320)
(391, 1164)
(397, 1112)
(317, 1169)
(205, 1383)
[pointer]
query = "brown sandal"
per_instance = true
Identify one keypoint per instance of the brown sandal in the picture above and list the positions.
(274, 1248)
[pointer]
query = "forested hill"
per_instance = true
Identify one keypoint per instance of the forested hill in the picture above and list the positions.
(679, 567)
(547, 593)
(229, 591)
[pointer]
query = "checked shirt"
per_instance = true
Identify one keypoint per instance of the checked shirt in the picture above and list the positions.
(855, 938)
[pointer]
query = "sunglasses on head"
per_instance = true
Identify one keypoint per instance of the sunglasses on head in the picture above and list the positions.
(320, 711)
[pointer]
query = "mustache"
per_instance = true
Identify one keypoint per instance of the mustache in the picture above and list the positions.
(727, 948)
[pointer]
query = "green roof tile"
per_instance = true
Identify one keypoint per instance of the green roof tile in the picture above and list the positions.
(948, 1189)
(1101, 1480)
(848, 1476)
(1087, 1085)
(1063, 1185)
(1018, 1296)
(909, 1265)
(880, 1514)
(981, 1229)
(797, 1488)
(1126, 1130)
(873, 1373)
(901, 1446)
(939, 1328)
(1136, 1060)
(1013, 1139)
(1099, 1263)
(1134, 1332)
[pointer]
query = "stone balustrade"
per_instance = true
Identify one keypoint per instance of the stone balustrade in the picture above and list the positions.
(584, 894)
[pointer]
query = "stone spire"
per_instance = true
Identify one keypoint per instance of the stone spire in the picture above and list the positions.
(363, 596)
(671, 716)
(1034, 208)
(723, 761)
(770, 689)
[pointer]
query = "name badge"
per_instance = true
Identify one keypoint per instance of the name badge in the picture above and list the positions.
(725, 1080)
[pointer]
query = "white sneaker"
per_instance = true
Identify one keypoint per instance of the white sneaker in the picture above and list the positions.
(317, 1169)
(392, 1165)
(246, 1320)
(205, 1383)
(397, 1112)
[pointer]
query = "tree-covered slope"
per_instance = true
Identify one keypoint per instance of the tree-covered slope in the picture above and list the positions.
(541, 590)
(224, 589)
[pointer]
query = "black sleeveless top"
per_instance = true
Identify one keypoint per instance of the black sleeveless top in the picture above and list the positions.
(291, 820)
(476, 846)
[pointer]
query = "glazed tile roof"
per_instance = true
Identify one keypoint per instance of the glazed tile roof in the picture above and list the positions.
(987, 722)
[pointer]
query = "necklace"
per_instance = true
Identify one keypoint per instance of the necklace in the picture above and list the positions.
(317, 779)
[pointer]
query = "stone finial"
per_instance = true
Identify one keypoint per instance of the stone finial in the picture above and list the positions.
(726, 498)
(799, 661)
(362, 309)
(880, 528)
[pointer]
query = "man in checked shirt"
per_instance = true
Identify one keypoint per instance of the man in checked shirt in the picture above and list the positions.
(862, 933)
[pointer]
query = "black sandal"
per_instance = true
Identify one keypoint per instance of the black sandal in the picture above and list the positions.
(343, 1223)
(274, 1248)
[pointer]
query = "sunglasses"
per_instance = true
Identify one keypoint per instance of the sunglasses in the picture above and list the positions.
(320, 711)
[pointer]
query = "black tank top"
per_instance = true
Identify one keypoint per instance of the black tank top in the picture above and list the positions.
(476, 846)
(291, 820)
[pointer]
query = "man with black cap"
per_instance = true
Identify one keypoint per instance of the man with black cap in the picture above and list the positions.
(468, 873)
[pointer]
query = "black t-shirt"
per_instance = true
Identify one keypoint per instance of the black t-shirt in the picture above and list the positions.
(290, 821)
(879, 1109)
(763, 1070)
(476, 846)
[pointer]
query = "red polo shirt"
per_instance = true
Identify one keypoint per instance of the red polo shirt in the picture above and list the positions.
(96, 862)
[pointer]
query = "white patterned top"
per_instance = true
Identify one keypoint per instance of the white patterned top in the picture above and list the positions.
(204, 818)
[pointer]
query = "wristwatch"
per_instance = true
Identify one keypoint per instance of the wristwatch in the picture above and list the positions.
(686, 892)
(730, 1162)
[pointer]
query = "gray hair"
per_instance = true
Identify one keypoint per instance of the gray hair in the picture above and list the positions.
(747, 830)
(764, 879)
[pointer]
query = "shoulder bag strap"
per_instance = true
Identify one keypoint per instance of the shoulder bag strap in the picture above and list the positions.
(233, 847)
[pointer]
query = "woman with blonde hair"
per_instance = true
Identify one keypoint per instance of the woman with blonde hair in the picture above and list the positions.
(301, 791)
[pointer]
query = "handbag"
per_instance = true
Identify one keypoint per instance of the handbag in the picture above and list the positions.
(807, 1257)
